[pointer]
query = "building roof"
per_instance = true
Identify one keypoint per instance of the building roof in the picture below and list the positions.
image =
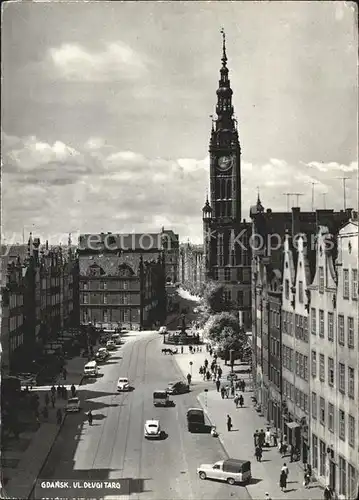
(110, 242)
(112, 265)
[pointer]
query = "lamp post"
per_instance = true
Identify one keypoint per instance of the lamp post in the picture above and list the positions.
(205, 397)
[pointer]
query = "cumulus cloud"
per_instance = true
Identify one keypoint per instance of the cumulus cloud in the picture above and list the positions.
(54, 186)
(114, 61)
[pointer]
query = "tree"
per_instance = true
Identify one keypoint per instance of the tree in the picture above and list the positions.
(225, 332)
(213, 297)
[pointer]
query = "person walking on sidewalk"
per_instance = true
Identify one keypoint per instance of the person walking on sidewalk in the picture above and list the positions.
(189, 378)
(241, 400)
(219, 372)
(73, 390)
(223, 391)
(268, 437)
(255, 438)
(208, 376)
(206, 363)
(59, 416)
(258, 453)
(283, 480)
(90, 417)
(328, 495)
(285, 470)
(53, 391)
(236, 401)
(218, 385)
(229, 423)
(306, 479)
(53, 399)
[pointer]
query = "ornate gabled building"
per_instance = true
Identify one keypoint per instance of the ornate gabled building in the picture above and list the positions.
(122, 280)
(226, 238)
(191, 269)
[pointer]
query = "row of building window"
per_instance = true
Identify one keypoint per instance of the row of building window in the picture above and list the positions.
(16, 300)
(16, 322)
(354, 283)
(330, 327)
(331, 374)
(327, 418)
(16, 341)
(125, 315)
(102, 285)
(347, 472)
(295, 395)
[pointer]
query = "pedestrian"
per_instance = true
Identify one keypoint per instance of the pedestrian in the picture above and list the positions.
(227, 391)
(268, 437)
(53, 400)
(189, 378)
(89, 416)
(285, 469)
(218, 385)
(223, 391)
(58, 391)
(64, 373)
(275, 438)
(283, 480)
(236, 401)
(208, 375)
(267, 497)
(53, 390)
(328, 493)
(201, 370)
(219, 371)
(213, 377)
(258, 453)
(181, 349)
(59, 416)
(73, 390)
(255, 438)
(232, 391)
(243, 386)
(229, 423)
(261, 438)
(47, 400)
(241, 401)
(65, 393)
(306, 479)
(45, 413)
(206, 363)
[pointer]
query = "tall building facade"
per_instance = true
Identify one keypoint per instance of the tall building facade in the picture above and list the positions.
(191, 269)
(170, 245)
(227, 256)
(122, 279)
(335, 361)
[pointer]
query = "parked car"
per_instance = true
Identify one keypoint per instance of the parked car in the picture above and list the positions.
(123, 384)
(110, 344)
(73, 405)
(195, 420)
(102, 354)
(152, 429)
(230, 470)
(177, 388)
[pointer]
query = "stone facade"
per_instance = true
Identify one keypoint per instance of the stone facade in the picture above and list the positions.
(122, 283)
(191, 265)
(39, 299)
(334, 361)
(227, 255)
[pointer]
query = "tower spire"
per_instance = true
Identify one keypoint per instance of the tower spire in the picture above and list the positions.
(224, 56)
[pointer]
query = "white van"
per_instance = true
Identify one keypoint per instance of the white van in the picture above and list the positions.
(91, 369)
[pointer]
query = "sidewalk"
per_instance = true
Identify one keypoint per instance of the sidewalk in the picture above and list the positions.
(22, 459)
(239, 442)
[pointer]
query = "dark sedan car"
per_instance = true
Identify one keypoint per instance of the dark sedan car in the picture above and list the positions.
(177, 388)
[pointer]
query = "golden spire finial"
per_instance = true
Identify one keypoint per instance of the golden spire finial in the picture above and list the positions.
(224, 56)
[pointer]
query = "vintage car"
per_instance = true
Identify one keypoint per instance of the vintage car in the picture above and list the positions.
(73, 405)
(231, 470)
(152, 429)
(110, 345)
(102, 354)
(123, 384)
(177, 388)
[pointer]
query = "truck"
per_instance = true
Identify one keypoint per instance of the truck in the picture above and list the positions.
(195, 420)
(231, 470)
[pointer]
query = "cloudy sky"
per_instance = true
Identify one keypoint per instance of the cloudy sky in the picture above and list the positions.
(105, 110)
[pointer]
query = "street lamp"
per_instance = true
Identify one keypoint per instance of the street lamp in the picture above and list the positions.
(205, 397)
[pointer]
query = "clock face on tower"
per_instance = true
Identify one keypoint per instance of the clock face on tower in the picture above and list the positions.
(225, 163)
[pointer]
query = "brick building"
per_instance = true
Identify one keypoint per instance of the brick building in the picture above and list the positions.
(227, 256)
(191, 265)
(122, 279)
(170, 245)
(39, 299)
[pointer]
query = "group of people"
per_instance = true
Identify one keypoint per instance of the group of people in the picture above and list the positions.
(213, 372)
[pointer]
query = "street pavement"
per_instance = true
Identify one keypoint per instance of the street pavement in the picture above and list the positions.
(239, 442)
(114, 446)
(26, 455)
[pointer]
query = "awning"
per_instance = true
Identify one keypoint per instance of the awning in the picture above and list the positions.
(292, 425)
